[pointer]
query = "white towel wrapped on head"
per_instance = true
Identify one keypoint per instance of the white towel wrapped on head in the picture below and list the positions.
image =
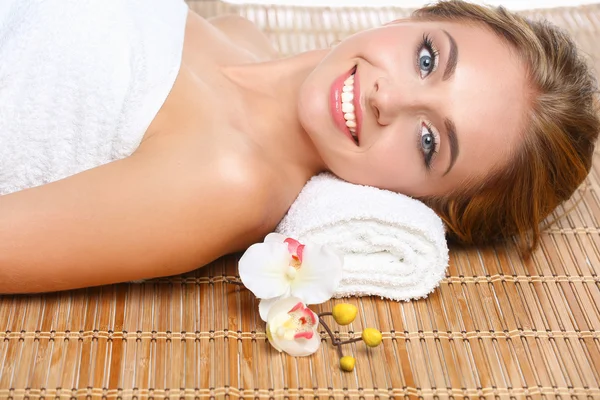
(394, 246)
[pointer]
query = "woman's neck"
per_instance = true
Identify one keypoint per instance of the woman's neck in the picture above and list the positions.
(269, 109)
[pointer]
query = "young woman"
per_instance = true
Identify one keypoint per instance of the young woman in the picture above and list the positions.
(487, 117)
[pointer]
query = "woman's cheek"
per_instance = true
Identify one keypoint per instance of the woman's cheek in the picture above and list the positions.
(382, 170)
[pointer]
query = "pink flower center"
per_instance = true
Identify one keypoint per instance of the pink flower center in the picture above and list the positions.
(295, 248)
(305, 321)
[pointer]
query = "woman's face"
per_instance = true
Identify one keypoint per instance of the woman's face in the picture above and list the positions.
(432, 105)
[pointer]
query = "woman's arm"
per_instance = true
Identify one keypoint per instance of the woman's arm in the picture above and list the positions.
(153, 214)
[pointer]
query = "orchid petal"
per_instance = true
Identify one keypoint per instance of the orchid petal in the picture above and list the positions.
(275, 237)
(301, 347)
(295, 248)
(304, 335)
(263, 269)
(283, 306)
(265, 305)
(319, 276)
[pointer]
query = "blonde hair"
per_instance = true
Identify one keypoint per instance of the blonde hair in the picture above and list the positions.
(561, 129)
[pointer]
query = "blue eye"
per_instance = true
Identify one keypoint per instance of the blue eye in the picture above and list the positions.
(428, 144)
(425, 62)
(427, 57)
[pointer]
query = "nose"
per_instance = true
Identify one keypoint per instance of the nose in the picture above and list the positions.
(389, 99)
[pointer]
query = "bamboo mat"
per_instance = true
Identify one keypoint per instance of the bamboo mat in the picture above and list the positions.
(498, 327)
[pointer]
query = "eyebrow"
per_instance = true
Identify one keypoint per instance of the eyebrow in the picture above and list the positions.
(450, 127)
(453, 139)
(452, 58)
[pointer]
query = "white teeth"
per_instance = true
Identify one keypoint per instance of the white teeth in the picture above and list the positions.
(347, 107)
(347, 97)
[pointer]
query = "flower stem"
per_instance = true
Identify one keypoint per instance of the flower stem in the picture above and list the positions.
(324, 314)
(334, 341)
(358, 339)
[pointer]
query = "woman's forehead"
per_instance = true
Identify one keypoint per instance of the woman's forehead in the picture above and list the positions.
(490, 104)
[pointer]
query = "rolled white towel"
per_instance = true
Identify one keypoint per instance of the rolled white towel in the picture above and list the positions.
(394, 246)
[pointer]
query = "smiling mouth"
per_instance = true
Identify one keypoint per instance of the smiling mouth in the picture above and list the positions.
(344, 103)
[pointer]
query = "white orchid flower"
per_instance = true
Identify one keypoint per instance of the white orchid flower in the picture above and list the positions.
(292, 327)
(281, 267)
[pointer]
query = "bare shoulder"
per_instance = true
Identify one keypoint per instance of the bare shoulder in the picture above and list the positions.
(230, 193)
(244, 34)
(248, 184)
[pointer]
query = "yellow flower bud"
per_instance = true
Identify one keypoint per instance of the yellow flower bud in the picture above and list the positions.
(347, 363)
(371, 337)
(344, 313)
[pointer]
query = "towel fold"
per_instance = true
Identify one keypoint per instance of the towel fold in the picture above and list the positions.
(394, 246)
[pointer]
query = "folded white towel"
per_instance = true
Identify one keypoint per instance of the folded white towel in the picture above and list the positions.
(394, 246)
